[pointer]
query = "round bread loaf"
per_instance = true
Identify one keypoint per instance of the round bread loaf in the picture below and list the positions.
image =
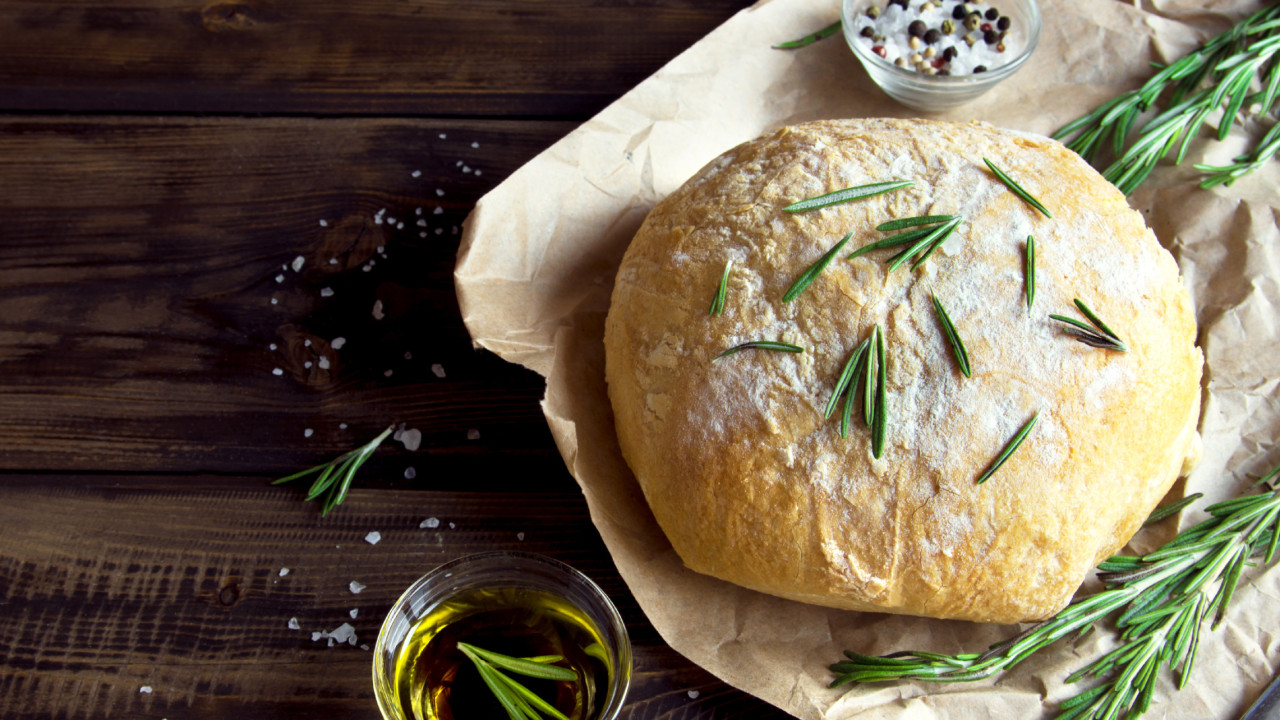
(749, 477)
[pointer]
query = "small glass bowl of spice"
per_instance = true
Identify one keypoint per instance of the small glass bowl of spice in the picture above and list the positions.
(935, 55)
(502, 634)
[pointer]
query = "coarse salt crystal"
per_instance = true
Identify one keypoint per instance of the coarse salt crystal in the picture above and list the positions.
(273, 346)
(356, 587)
(307, 364)
(373, 537)
(274, 301)
(439, 192)
(477, 173)
(416, 173)
(324, 362)
(411, 439)
(422, 223)
(473, 434)
(277, 371)
(354, 612)
(475, 144)
(316, 635)
(410, 473)
(520, 536)
(439, 231)
(284, 571)
(145, 689)
(438, 211)
(298, 262)
(308, 432)
(387, 373)
(377, 310)
(324, 223)
(294, 624)
(280, 278)
(693, 694)
(438, 370)
(342, 426)
(442, 136)
(333, 261)
(430, 523)
(337, 343)
(466, 168)
(326, 292)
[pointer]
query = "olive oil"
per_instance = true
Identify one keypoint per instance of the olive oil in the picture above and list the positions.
(435, 681)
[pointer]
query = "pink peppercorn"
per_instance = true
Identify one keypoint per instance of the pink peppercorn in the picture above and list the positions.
(879, 50)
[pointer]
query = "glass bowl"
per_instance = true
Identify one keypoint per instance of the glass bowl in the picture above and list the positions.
(492, 598)
(934, 93)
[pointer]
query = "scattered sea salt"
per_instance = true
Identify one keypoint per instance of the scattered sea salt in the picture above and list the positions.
(342, 426)
(298, 262)
(473, 434)
(308, 432)
(333, 261)
(377, 310)
(306, 343)
(477, 173)
(410, 473)
(324, 362)
(411, 439)
(373, 538)
(344, 633)
(354, 612)
(520, 536)
(324, 223)
(273, 346)
(326, 292)
(280, 278)
(693, 694)
(416, 173)
(307, 364)
(442, 136)
(422, 223)
(430, 523)
(475, 144)
(439, 231)
(293, 624)
(438, 370)
(274, 301)
(145, 689)
(439, 192)
(364, 647)
(452, 525)
(277, 371)
(284, 571)
(466, 169)
(337, 343)
(438, 211)
(356, 587)
(387, 373)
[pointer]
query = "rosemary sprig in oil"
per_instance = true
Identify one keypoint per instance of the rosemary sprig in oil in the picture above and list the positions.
(1097, 335)
(1014, 443)
(335, 477)
(761, 345)
(1016, 188)
(847, 195)
(953, 337)
(809, 275)
(722, 291)
(1163, 597)
(519, 702)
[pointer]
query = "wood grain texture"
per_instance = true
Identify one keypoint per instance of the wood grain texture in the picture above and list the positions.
(560, 58)
(147, 269)
(109, 587)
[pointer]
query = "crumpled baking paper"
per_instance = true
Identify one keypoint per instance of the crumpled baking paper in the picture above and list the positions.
(540, 251)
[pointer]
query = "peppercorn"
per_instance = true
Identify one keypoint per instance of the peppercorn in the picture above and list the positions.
(927, 6)
(980, 69)
(873, 12)
(950, 53)
(929, 52)
(914, 43)
(992, 13)
(916, 59)
(948, 27)
(957, 12)
(900, 62)
(932, 36)
(985, 27)
(1000, 47)
(971, 21)
(868, 31)
(1003, 23)
(970, 39)
(990, 37)
(879, 50)
(916, 28)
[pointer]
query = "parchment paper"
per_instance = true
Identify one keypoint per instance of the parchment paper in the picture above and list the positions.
(536, 268)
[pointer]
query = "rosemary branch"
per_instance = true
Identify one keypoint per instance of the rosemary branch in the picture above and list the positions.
(722, 291)
(847, 195)
(335, 476)
(761, 345)
(520, 702)
(1165, 596)
(1220, 73)
(809, 39)
(1097, 335)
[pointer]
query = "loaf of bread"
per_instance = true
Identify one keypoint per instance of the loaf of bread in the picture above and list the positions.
(751, 479)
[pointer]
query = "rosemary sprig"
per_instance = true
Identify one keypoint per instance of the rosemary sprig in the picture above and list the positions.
(1016, 188)
(866, 368)
(336, 475)
(1098, 335)
(1165, 596)
(1029, 272)
(761, 345)
(1014, 443)
(846, 376)
(957, 344)
(878, 427)
(722, 291)
(846, 195)
(926, 245)
(808, 276)
(921, 227)
(809, 39)
(520, 702)
(1218, 74)
(917, 221)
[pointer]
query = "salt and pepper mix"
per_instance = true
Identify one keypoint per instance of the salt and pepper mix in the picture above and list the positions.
(939, 37)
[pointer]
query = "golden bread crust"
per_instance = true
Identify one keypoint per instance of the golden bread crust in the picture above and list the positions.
(752, 484)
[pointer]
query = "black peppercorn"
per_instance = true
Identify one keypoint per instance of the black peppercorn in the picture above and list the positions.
(980, 69)
(990, 37)
(992, 13)
(916, 28)
(1003, 23)
(957, 12)
(950, 53)
(932, 36)
(868, 31)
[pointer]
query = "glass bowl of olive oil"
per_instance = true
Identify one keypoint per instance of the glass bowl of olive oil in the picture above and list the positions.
(452, 630)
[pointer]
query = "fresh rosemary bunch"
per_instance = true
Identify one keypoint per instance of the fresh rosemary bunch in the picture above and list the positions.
(1219, 74)
(1163, 599)
(520, 702)
(336, 475)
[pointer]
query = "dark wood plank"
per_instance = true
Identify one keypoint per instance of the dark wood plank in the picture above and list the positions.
(110, 586)
(557, 58)
(141, 258)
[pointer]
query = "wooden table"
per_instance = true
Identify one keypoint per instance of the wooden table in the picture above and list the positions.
(197, 199)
